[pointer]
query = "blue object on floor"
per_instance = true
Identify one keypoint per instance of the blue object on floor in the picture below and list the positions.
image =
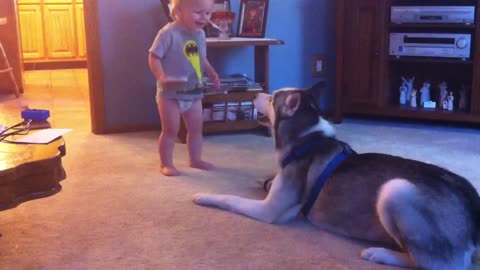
(35, 114)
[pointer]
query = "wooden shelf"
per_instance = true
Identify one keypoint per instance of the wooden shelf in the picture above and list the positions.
(237, 41)
(398, 111)
(212, 127)
(231, 96)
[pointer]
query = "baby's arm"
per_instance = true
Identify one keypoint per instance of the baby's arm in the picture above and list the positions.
(156, 67)
(166, 81)
(212, 74)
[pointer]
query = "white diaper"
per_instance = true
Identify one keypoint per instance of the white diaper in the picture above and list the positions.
(184, 105)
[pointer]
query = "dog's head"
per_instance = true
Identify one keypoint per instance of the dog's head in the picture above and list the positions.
(292, 113)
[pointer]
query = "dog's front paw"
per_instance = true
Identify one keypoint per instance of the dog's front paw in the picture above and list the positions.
(385, 256)
(373, 254)
(201, 198)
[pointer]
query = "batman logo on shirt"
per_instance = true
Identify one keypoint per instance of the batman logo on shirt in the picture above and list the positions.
(190, 49)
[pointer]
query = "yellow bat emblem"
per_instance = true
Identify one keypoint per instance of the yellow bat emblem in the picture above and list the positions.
(190, 50)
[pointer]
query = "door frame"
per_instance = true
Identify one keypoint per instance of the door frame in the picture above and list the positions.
(94, 65)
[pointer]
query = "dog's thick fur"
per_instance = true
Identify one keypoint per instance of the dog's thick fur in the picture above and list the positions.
(422, 216)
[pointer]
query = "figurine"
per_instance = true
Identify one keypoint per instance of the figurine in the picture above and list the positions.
(413, 99)
(442, 97)
(409, 84)
(425, 93)
(403, 93)
(462, 102)
(450, 99)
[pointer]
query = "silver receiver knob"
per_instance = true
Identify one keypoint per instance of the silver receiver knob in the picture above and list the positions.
(462, 43)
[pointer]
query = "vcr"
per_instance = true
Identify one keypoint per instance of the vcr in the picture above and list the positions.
(433, 14)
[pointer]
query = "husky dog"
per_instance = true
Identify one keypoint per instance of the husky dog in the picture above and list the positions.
(420, 215)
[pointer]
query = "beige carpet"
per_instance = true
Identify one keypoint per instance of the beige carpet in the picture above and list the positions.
(117, 212)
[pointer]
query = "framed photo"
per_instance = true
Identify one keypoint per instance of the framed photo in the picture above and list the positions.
(253, 18)
(211, 31)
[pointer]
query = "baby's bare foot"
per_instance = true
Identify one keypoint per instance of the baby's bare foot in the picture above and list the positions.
(203, 165)
(169, 171)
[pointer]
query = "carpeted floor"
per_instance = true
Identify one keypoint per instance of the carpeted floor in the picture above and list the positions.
(117, 212)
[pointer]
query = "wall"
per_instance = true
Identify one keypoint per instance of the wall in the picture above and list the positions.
(127, 29)
(10, 40)
(308, 28)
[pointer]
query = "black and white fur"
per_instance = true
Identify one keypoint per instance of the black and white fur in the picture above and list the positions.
(422, 216)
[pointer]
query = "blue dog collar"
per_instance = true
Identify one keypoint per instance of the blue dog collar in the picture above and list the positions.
(299, 151)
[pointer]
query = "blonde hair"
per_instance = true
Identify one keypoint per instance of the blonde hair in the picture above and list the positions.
(175, 5)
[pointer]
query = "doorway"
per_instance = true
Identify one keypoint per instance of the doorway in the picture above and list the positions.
(53, 48)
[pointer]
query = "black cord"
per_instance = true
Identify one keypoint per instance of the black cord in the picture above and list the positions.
(21, 128)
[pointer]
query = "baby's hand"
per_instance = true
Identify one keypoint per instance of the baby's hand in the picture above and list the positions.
(216, 82)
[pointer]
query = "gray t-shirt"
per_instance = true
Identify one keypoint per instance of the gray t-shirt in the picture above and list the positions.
(182, 54)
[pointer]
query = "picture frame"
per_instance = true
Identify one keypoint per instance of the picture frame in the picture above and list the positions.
(211, 31)
(252, 20)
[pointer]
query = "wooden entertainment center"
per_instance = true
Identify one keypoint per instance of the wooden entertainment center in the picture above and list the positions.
(369, 77)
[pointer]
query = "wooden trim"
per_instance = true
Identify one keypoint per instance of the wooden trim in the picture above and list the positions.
(55, 64)
(94, 64)
(337, 117)
(239, 41)
(475, 89)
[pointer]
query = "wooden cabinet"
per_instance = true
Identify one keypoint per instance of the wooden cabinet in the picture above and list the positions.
(261, 76)
(80, 23)
(369, 77)
(31, 19)
(362, 51)
(59, 31)
(52, 30)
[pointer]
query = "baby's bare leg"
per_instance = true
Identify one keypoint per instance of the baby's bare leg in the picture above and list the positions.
(194, 123)
(170, 120)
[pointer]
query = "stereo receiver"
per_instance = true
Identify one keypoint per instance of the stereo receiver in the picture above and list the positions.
(432, 14)
(430, 44)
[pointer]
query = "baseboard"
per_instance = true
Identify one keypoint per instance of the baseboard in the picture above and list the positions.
(55, 65)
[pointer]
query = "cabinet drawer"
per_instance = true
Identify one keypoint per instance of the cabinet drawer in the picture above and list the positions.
(59, 31)
(31, 31)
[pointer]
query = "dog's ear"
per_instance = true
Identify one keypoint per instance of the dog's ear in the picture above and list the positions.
(291, 104)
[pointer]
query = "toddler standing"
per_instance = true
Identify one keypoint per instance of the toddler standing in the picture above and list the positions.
(178, 60)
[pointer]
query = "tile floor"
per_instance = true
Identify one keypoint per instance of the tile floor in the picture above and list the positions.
(64, 92)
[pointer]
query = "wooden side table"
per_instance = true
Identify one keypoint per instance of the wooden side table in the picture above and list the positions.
(30, 171)
(261, 70)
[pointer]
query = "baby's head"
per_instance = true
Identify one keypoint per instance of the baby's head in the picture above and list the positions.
(193, 13)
